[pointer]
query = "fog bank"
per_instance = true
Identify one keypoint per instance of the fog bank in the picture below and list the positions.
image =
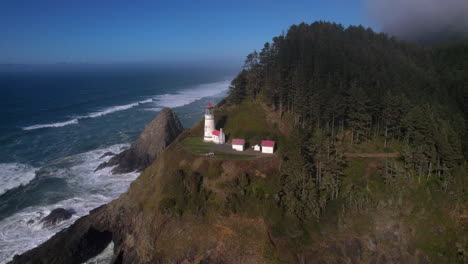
(421, 20)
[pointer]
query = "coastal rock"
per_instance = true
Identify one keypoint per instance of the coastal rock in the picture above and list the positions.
(85, 238)
(101, 166)
(164, 129)
(109, 153)
(56, 216)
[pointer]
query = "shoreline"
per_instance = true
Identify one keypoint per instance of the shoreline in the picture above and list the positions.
(25, 215)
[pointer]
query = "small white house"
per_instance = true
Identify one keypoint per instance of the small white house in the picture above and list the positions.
(218, 136)
(268, 146)
(238, 144)
(257, 148)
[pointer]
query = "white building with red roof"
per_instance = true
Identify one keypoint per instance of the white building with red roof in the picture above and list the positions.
(211, 134)
(218, 136)
(238, 144)
(268, 146)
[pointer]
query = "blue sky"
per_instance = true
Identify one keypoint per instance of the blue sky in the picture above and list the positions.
(105, 31)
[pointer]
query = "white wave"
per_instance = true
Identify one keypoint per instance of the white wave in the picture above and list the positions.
(13, 175)
(23, 230)
(105, 257)
(111, 109)
(146, 101)
(154, 109)
(178, 99)
(187, 96)
(102, 112)
(59, 124)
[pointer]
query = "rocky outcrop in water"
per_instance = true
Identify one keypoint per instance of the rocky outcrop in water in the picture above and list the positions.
(87, 237)
(56, 216)
(164, 129)
(109, 153)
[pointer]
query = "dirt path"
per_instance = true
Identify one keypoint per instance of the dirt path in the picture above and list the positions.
(372, 155)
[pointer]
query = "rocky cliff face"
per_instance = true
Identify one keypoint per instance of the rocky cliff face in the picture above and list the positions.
(164, 129)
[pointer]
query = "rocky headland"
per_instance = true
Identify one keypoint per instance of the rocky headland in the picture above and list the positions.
(159, 133)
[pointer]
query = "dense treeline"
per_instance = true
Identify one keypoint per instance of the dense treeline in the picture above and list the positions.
(363, 85)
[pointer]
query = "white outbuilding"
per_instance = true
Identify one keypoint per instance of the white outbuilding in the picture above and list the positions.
(218, 136)
(257, 148)
(268, 146)
(238, 144)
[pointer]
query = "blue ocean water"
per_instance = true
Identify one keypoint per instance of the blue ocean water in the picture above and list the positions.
(55, 125)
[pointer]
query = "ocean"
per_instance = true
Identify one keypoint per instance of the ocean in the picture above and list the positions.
(57, 123)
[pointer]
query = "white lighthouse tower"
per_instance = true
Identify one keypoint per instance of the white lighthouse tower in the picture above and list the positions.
(209, 123)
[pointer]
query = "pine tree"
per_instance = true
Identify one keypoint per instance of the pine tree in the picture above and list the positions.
(359, 118)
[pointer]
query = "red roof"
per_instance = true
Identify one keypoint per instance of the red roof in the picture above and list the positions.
(209, 106)
(268, 143)
(215, 132)
(238, 141)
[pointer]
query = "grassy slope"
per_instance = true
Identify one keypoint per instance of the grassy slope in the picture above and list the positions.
(247, 121)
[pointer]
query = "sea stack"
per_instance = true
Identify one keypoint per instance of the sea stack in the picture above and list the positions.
(159, 133)
(56, 216)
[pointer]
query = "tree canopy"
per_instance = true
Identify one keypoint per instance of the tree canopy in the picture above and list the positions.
(366, 85)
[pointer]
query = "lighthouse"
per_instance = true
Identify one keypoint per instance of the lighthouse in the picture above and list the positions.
(209, 123)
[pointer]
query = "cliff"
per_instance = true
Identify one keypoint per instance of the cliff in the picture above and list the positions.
(159, 133)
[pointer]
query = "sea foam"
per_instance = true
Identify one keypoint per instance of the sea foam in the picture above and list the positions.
(23, 230)
(13, 175)
(112, 109)
(105, 257)
(99, 113)
(59, 124)
(187, 96)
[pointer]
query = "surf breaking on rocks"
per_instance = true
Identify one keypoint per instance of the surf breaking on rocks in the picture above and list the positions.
(24, 229)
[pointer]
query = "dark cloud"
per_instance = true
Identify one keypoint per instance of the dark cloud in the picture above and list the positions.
(421, 20)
